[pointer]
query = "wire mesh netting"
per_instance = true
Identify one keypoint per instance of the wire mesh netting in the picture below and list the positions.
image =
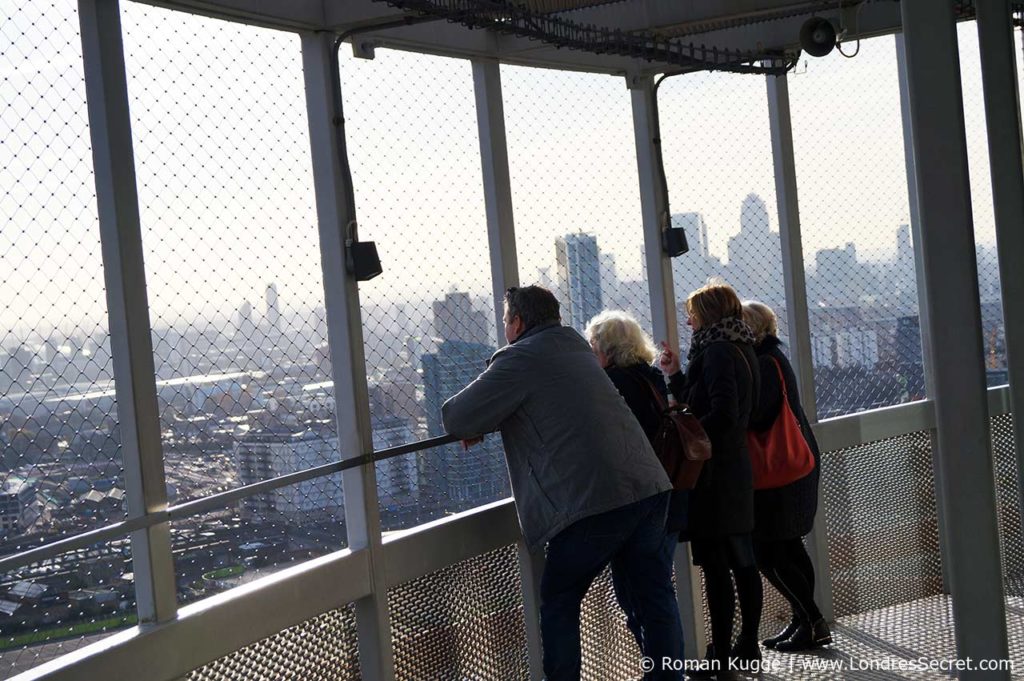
(324, 648)
(462, 622)
(59, 440)
(60, 444)
(234, 278)
(993, 330)
(882, 523)
(55, 606)
(428, 321)
(575, 191)
(718, 162)
(855, 222)
(257, 536)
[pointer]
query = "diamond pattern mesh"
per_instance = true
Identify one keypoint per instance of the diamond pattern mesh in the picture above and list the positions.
(609, 651)
(882, 523)
(855, 227)
(462, 622)
(1008, 505)
(324, 648)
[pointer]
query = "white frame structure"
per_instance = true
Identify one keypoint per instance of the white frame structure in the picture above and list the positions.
(363, 572)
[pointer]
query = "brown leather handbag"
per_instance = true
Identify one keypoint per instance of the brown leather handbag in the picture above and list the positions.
(681, 444)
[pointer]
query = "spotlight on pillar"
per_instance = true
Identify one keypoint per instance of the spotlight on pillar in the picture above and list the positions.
(817, 37)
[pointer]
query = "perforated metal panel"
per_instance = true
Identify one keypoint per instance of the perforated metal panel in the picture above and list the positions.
(324, 648)
(1008, 506)
(462, 622)
(609, 651)
(882, 523)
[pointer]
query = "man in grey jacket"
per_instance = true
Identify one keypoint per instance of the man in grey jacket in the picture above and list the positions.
(584, 476)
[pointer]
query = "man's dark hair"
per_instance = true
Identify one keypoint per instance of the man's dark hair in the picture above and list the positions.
(535, 305)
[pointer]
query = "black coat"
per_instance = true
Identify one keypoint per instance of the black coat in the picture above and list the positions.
(721, 387)
(784, 512)
(634, 383)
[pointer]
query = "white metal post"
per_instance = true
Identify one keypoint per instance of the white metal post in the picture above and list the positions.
(951, 275)
(924, 313)
(345, 338)
(501, 238)
(797, 314)
(1002, 115)
(127, 305)
(654, 211)
(501, 234)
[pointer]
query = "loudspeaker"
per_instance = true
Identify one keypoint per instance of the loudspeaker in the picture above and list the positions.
(817, 37)
(673, 241)
(362, 261)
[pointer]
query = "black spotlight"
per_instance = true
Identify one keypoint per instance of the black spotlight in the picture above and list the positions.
(817, 37)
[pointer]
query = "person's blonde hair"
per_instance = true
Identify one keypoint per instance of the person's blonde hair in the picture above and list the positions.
(618, 335)
(713, 302)
(761, 319)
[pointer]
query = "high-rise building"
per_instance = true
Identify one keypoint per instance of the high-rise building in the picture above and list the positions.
(280, 450)
(579, 278)
(456, 480)
(904, 248)
(245, 327)
(455, 318)
(273, 311)
(755, 255)
(693, 269)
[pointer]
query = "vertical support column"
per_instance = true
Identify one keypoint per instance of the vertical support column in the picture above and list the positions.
(797, 314)
(501, 233)
(1002, 115)
(336, 216)
(127, 305)
(950, 273)
(654, 208)
(501, 238)
(924, 313)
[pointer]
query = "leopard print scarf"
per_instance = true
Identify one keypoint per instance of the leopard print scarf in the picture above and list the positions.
(731, 329)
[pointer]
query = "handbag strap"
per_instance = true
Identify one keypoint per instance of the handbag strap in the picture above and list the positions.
(658, 398)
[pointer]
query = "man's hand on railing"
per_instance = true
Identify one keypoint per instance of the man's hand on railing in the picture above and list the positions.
(469, 442)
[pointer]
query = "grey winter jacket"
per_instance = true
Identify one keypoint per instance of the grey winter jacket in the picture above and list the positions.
(574, 449)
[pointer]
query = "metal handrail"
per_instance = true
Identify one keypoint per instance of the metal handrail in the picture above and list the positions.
(212, 502)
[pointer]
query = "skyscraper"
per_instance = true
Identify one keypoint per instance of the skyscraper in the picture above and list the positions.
(579, 278)
(273, 312)
(455, 318)
(454, 480)
(755, 255)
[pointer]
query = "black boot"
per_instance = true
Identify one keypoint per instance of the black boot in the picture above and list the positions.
(709, 668)
(746, 655)
(782, 635)
(806, 637)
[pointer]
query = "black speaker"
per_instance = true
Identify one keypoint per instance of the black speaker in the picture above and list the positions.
(673, 241)
(362, 261)
(817, 37)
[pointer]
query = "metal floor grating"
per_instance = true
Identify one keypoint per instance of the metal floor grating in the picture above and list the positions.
(908, 631)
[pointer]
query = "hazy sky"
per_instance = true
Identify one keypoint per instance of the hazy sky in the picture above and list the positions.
(225, 184)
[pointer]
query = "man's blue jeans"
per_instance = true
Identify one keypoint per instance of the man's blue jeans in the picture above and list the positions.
(633, 540)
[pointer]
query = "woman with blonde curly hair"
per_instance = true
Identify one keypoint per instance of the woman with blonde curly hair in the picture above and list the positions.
(627, 355)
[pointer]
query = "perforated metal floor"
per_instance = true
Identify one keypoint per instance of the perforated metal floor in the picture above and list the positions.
(918, 632)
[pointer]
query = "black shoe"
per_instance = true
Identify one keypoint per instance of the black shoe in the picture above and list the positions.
(790, 629)
(806, 637)
(746, 655)
(709, 669)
